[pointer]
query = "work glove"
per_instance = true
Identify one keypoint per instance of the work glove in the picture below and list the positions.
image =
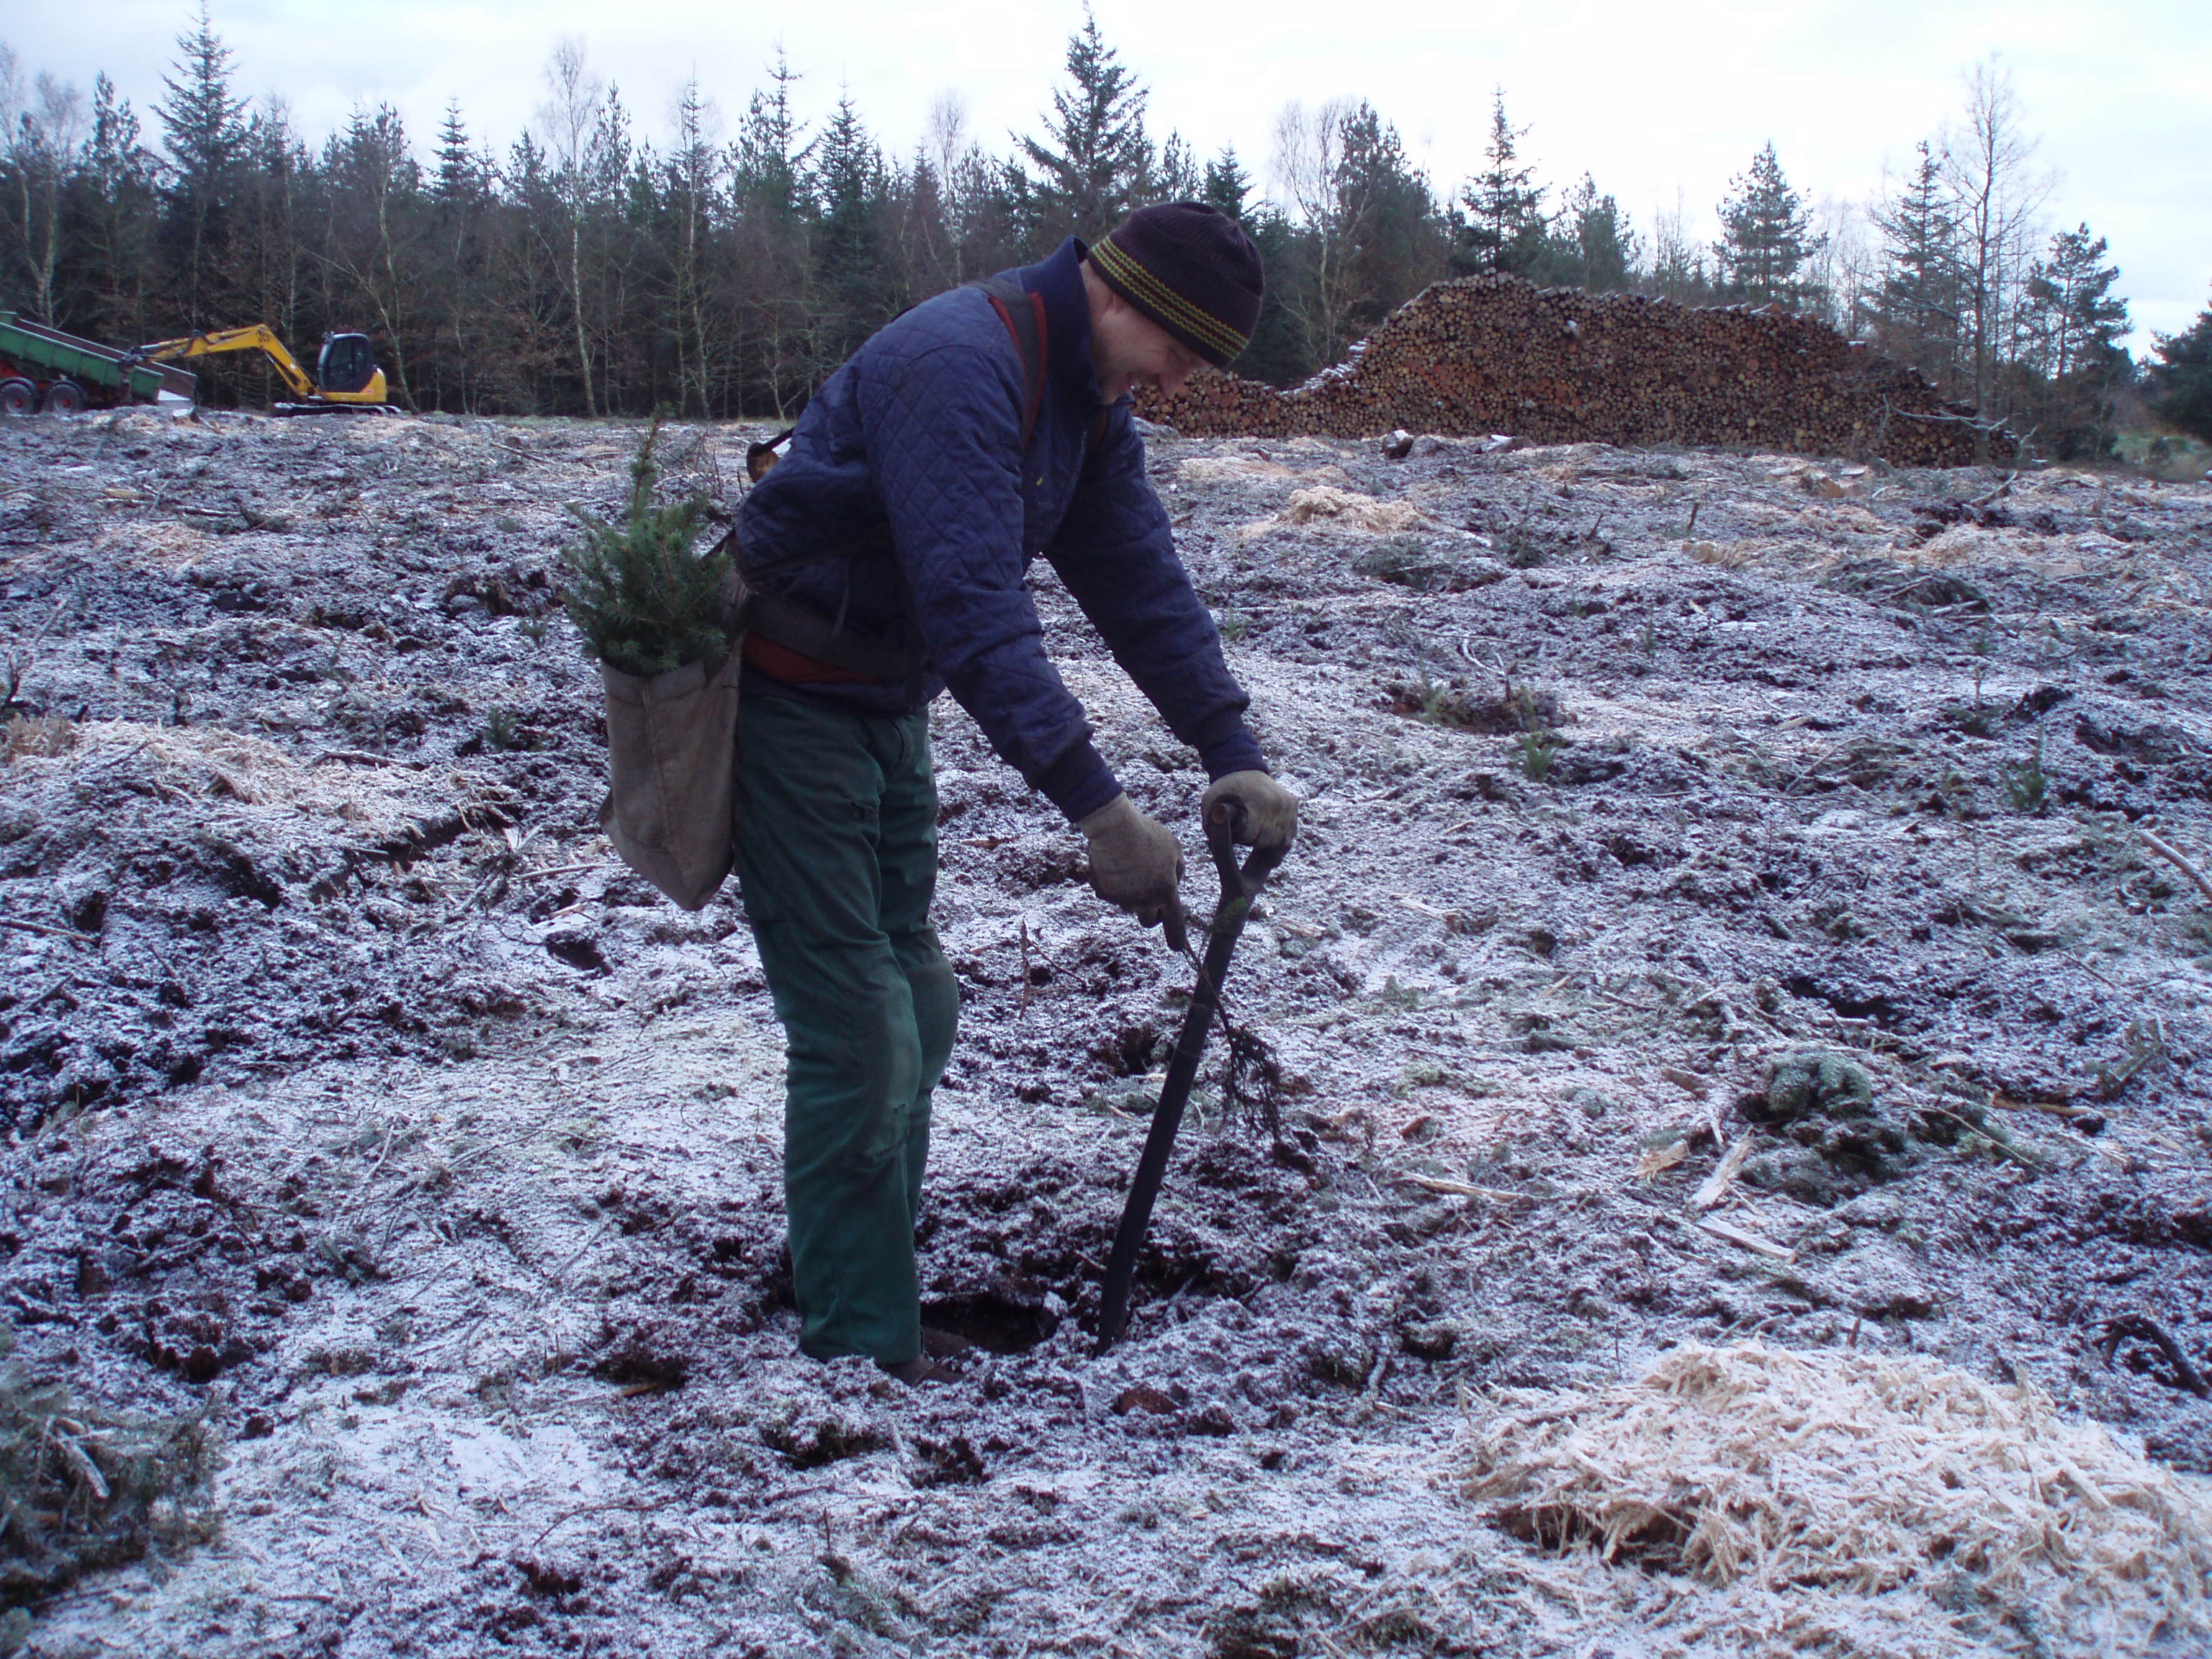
(1135, 862)
(1270, 811)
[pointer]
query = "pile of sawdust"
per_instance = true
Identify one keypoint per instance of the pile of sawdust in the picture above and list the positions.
(1326, 506)
(239, 789)
(248, 776)
(44, 735)
(1851, 1474)
(1210, 471)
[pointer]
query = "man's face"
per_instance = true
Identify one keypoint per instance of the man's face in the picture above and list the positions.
(1129, 349)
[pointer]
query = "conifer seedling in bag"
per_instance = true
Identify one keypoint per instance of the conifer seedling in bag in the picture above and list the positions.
(643, 597)
(651, 609)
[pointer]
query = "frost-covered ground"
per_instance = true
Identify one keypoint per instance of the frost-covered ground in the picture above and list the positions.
(362, 1100)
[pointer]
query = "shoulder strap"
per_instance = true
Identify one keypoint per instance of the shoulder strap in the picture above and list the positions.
(1023, 313)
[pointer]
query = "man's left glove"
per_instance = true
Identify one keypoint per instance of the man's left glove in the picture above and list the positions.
(1270, 811)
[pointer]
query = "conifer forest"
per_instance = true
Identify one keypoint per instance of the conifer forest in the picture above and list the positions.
(590, 267)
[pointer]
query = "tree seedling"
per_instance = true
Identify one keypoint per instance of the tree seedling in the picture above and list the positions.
(1539, 743)
(2025, 784)
(1978, 717)
(644, 599)
(502, 731)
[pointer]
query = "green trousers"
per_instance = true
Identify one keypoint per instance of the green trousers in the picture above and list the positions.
(838, 861)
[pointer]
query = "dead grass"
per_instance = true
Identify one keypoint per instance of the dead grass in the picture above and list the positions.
(1857, 1474)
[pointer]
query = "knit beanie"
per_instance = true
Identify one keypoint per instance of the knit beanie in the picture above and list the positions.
(1188, 268)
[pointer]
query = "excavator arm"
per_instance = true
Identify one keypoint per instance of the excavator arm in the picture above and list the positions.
(259, 337)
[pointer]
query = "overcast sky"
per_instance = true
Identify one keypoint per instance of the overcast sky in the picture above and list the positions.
(1655, 100)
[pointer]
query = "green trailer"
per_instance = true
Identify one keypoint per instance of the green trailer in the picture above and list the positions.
(43, 368)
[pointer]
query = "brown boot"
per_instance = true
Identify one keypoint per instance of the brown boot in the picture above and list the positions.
(944, 1345)
(920, 1371)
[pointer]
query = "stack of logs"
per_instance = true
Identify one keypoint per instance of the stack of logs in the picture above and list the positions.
(1494, 354)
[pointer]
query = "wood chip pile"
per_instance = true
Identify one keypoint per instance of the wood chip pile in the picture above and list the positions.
(1862, 1474)
(1488, 354)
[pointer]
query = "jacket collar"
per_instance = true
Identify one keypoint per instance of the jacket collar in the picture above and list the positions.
(1059, 278)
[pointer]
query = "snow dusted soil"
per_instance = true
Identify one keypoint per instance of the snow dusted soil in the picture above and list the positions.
(360, 1098)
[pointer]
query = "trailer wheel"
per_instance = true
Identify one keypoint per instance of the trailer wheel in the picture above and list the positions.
(18, 397)
(64, 397)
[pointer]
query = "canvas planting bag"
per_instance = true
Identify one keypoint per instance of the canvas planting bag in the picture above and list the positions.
(672, 801)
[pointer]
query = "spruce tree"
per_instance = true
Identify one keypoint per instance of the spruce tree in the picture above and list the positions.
(460, 194)
(770, 162)
(1766, 238)
(689, 207)
(117, 197)
(1093, 162)
(1396, 245)
(1594, 247)
(1226, 184)
(1277, 354)
(773, 279)
(643, 597)
(204, 128)
(925, 254)
(2077, 362)
(460, 179)
(1917, 311)
(1502, 231)
(1176, 179)
(2181, 380)
(852, 269)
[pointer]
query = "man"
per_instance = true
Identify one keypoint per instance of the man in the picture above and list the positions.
(892, 540)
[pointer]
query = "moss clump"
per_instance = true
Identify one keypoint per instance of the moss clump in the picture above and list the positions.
(643, 596)
(82, 1488)
(1809, 1082)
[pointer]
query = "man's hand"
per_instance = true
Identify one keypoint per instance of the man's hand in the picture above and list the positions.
(1134, 861)
(1270, 811)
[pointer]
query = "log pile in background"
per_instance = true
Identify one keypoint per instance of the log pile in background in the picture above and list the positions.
(1495, 354)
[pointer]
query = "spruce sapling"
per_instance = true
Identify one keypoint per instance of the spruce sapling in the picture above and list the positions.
(644, 598)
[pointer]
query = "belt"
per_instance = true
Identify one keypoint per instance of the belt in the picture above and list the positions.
(785, 664)
(794, 643)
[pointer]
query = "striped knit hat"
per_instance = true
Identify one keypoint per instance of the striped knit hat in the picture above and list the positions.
(1190, 270)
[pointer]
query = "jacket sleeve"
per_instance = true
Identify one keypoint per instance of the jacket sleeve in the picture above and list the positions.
(943, 434)
(1116, 553)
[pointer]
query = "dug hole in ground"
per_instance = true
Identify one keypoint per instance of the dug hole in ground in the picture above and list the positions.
(1739, 995)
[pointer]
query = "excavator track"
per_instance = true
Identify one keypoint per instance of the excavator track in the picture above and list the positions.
(336, 408)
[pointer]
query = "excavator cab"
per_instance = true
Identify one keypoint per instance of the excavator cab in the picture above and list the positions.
(346, 364)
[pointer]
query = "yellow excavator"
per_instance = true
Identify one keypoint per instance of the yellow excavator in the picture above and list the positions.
(346, 380)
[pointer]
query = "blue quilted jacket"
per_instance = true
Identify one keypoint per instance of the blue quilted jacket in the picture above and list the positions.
(911, 455)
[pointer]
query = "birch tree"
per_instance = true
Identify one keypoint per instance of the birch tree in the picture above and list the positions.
(1994, 196)
(567, 121)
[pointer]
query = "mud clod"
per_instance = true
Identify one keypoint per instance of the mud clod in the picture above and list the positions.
(811, 1430)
